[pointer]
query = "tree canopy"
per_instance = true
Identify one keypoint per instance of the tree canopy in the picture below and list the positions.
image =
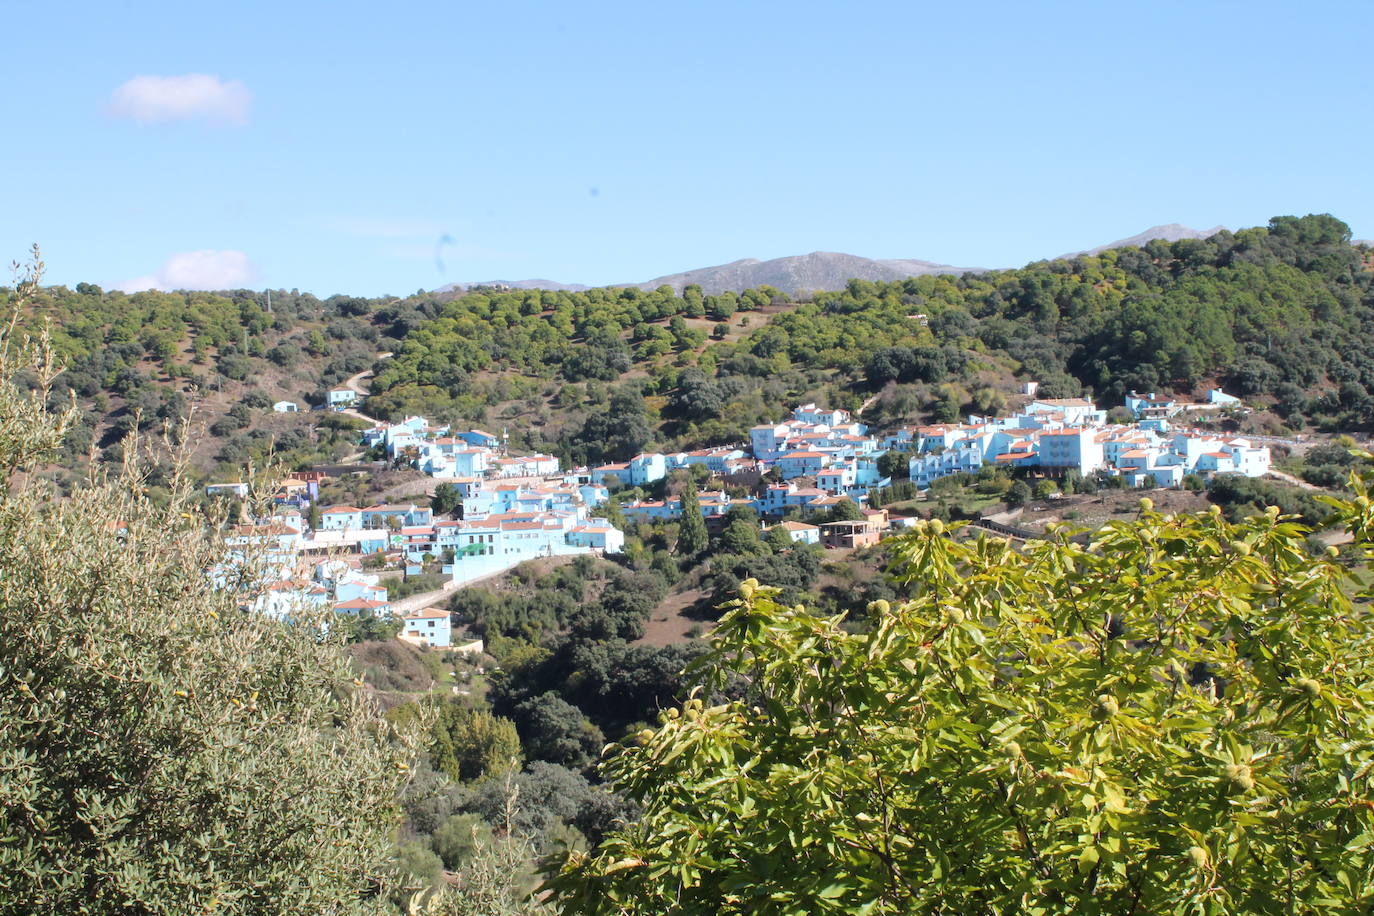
(1176, 716)
(161, 751)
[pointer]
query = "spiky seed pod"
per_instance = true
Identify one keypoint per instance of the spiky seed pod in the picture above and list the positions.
(1239, 776)
(1106, 707)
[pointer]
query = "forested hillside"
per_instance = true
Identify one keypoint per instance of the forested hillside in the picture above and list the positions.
(1280, 315)
(135, 362)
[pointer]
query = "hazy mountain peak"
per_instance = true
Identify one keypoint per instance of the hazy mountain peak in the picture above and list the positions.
(817, 270)
(1169, 232)
(514, 284)
(824, 270)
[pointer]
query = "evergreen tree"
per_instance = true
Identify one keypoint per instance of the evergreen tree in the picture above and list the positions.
(162, 751)
(691, 532)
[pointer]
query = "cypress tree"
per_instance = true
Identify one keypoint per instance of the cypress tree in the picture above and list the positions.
(691, 534)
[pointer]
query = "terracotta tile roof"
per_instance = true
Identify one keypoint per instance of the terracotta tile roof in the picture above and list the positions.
(359, 604)
(265, 529)
(428, 613)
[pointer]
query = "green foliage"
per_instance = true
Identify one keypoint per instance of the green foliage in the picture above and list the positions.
(1329, 465)
(691, 532)
(416, 584)
(1244, 496)
(460, 838)
(554, 730)
(894, 463)
(741, 537)
(365, 626)
(471, 743)
(846, 510)
(1019, 494)
(161, 751)
(1172, 718)
(447, 499)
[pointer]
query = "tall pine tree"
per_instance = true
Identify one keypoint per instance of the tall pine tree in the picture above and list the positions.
(691, 533)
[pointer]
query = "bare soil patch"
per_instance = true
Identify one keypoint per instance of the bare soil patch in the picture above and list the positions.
(669, 623)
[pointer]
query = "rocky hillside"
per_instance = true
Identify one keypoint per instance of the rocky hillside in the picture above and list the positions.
(819, 270)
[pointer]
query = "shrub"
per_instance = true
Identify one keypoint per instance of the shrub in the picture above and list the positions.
(1174, 718)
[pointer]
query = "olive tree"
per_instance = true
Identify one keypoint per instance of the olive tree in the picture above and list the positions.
(1175, 716)
(161, 751)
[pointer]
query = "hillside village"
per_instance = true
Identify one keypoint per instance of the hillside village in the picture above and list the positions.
(521, 507)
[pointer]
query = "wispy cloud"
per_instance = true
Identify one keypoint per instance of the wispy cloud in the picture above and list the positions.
(189, 97)
(208, 269)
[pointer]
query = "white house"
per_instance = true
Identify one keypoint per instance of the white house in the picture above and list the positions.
(801, 464)
(227, 489)
(925, 469)
(620, 471)
(286, 407)
(1151, 406)
(480, 438)
(1249, 460)
(1075, 449)
(430, 626)
(645, 469)
(341, 397)
(768, 440)
(810, 413)
(801, 533)
(1076, 411)
(340, 518)
(273, 535)
(654, 510)
(363, 605)
(606, 538)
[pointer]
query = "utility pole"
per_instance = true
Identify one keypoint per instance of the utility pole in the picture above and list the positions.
(269, 302)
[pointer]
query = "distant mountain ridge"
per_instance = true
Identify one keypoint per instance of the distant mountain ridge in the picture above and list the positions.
(1169, 232)
(515, 284)
(818, 270)
(824, 270)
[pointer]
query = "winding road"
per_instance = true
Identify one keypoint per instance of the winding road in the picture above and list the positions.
(355, 383)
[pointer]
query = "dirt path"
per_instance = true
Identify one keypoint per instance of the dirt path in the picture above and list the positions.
(355, 383)
(426, 599)
(1290, 479)
(668, 624)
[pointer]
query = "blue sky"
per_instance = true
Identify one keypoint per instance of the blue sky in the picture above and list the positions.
(330, 146)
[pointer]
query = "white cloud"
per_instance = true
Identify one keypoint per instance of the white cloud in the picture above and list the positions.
(207, 269)
(192, 96)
